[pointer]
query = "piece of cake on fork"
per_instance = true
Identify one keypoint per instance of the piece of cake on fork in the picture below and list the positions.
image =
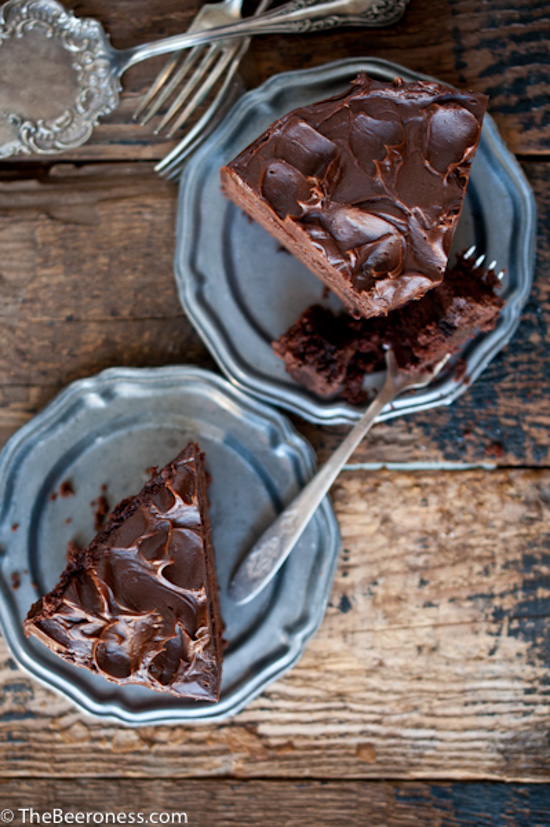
(365, 188)
(331, 354)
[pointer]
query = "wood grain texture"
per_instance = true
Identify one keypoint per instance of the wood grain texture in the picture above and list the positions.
(431, 663)
(294, 803)
(498, 47)
(86, 282)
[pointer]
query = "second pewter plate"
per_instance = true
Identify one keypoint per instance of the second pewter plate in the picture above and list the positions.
(109, 430)
(241, 290)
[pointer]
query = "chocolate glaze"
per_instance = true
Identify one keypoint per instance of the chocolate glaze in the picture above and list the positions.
(366, 187)
(330, 354)
(140, 604)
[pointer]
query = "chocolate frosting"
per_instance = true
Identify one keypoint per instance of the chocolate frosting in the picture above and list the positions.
(139, 605)
(376, 176)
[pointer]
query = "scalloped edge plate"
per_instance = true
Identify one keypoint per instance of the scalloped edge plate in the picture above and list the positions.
(113, 426)
(238, 313)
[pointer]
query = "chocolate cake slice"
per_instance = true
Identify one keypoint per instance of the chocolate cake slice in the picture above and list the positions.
(317, 350)
(140, 603)
(365, 188)
(421, 334)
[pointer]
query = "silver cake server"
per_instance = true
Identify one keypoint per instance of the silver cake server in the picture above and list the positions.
(60, 73)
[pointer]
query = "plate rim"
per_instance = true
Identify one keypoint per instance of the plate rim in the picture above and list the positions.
(118, 711)
(301, 402)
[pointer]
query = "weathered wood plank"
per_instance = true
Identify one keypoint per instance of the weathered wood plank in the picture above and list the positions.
(293, 803)
(498, 47)
(86, 282)
(88, 243)
(431, 663)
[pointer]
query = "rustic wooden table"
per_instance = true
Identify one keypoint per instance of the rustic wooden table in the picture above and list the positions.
(427, 683)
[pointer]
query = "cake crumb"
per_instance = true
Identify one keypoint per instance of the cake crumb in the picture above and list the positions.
(15, 580)
(72, 550)
(66, 489)
(53, 496)
(15, 526)
(101, 511)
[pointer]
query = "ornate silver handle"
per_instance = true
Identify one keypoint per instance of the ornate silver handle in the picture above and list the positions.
(296, 16)
(268, 555)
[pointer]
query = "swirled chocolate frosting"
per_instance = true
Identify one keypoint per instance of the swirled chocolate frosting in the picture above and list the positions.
(140, 604)
(365, 188)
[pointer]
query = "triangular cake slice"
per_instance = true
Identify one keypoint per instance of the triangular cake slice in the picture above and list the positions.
(365, 188)
(140, 603)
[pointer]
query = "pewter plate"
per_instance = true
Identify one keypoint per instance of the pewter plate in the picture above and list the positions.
(242, 291)
(110, 429)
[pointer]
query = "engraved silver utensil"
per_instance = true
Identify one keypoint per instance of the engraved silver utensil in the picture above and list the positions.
(269, 553)
(60, 73)
(185, 71)
(272, 549)
(232, 52)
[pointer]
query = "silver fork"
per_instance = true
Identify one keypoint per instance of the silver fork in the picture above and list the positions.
(233, 52)
(200, 68)
(480, 260)
(268, 554)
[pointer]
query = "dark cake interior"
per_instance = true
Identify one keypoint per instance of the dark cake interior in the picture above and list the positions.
(331, 354)
(140, 603)
(365, 188)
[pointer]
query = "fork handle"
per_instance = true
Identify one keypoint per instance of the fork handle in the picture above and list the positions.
(296, 16)
(269, 553)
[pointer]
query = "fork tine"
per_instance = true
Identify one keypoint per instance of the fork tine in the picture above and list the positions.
(471, 252)
(170, 166)
(205, 88)
(161, 78)
(189, 87)
(185, 68)
(223, 98)
(493, 268)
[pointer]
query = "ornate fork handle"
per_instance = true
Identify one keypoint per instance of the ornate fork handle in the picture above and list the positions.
(276, 543)
(352, 13)
(296, 16)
